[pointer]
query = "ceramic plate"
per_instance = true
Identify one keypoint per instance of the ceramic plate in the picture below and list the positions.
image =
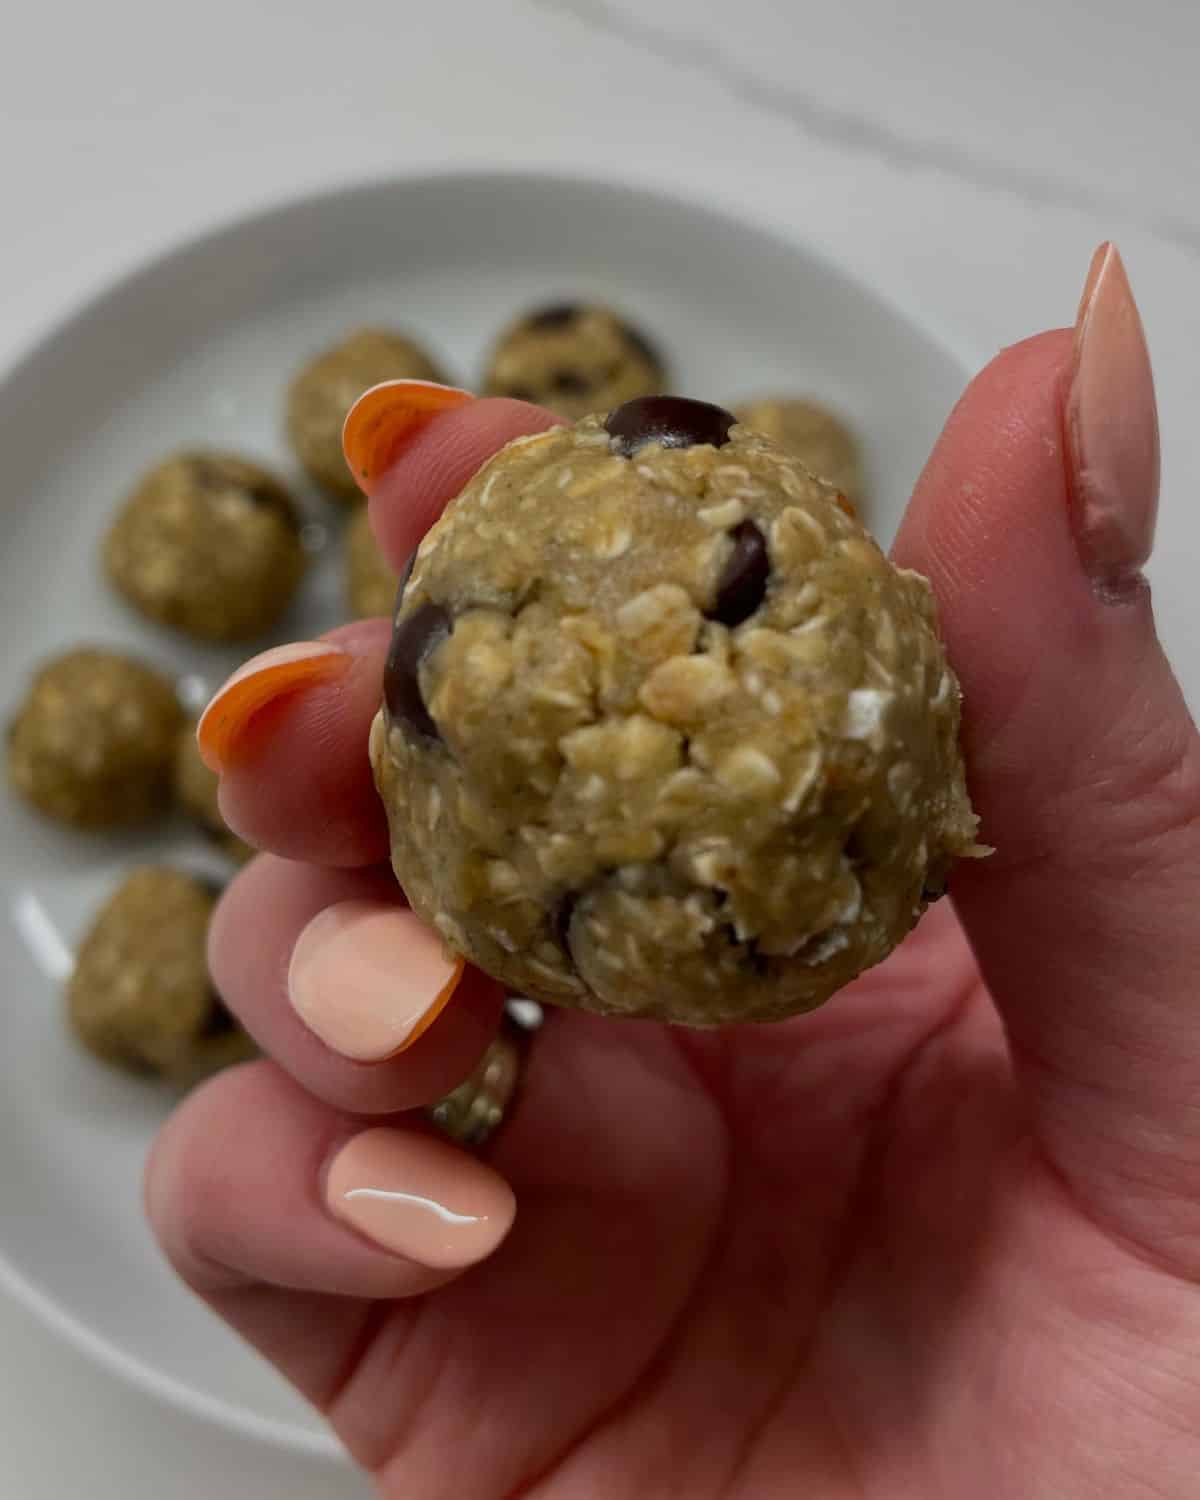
(196, 348)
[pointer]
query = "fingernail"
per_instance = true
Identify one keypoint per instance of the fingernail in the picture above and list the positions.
(271, 675)
(1111, 428)
(385, 420)
(369, 977)
(419, 1197)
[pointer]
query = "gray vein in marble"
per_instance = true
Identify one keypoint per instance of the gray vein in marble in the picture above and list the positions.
(841, 128)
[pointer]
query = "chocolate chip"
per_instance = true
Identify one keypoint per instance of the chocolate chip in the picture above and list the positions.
(219, 1021)
(749, 955)
(642, 345)
(673, 421)
(402, 584)
(570, 383)
(558, 315)
(412, 641)
(756, 960)
(268, 497)
(560, 920)
(211, 474)
(743, 582)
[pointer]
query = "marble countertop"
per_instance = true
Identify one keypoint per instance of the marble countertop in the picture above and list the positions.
(962, 160)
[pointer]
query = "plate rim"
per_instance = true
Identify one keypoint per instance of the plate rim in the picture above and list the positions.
(158, 1385)
(42, 340)
(197, 239)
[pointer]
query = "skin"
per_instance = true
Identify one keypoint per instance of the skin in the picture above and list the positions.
(938, 1239)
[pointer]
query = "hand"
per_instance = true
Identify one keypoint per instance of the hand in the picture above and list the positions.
(938, 1239)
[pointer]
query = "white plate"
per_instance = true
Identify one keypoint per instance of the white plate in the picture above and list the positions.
(196, 349)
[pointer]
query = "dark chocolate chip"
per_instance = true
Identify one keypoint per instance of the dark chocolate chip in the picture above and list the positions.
(749, 955)
(211, 474)
(570, 383)
(269, 497)
(673, 421)
(560, 921)
(558, 315)
(219, 1021)
(757, 961)
(402, 584)
(412, 641)
(642, 345)
(743, 582)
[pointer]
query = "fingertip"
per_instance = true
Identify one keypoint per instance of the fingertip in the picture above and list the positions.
(268, 678)
(1009, 418)
(369, 978)
(297, 780)
(253, 1182)
(386, 419)
(438, 461)
(417, 1196)
(988, 526)
(342, 985)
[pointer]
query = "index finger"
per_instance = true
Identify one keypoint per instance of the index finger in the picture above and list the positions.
(288, 732)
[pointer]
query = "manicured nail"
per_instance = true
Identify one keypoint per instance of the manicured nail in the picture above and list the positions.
(369, 977)
(384, 421)
(419, 1197)
(271, 675)
(1111, 428)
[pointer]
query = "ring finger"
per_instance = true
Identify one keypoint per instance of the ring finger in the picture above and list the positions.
(340, 983)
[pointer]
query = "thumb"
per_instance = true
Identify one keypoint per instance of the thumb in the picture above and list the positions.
(1032, 520)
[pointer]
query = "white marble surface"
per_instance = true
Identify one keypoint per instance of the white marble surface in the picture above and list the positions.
(964, 159)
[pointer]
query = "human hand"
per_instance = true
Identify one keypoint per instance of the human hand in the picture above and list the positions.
(940, 1238)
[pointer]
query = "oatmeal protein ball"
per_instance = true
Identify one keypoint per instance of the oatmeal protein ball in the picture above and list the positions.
(370, 579)
(327, 387)
(140, 996)
(195, 789)
(92, 742)
(819, 440)
(208, 543)
(575, 359)
(664, 732)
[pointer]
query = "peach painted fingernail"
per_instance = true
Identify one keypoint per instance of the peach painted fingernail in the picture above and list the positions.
(369, 977)
(270, 675)
(419, 1197)
(385, 419)
(1111, 427)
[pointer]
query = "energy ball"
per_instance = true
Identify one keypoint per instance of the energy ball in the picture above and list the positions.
(575, 359)
(196, 792)
(664, 733)
(140, 996)
(323, 392)
(93, 741)
(220, 1043)
(208, 543)
(370, 579)
(818, 439)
